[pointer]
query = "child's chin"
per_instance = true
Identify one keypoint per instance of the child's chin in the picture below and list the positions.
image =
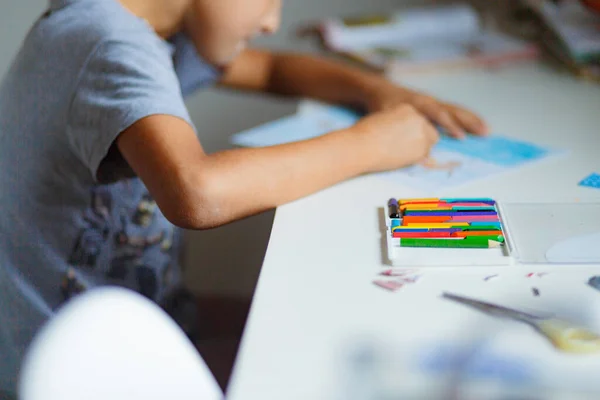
(238, 50)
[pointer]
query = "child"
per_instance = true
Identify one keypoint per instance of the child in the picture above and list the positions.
(99, 156)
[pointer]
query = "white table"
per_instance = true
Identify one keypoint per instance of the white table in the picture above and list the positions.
(315, 299)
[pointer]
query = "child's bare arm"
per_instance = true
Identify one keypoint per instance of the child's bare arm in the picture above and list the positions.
(303, 75)
(196, 190)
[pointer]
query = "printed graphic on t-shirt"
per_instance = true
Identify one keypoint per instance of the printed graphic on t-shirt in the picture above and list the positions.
(123, 243)
(71, 285)
(94, 236)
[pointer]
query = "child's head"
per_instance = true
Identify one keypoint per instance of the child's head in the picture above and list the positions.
(221, 29)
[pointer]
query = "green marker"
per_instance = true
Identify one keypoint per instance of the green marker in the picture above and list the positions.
(481, 227)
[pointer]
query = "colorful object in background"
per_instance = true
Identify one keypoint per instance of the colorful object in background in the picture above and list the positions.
(593, 5)
(430, 222)
(592, 181)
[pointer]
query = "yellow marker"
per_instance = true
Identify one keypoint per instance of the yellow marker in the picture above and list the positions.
(425, 206)
(428, 200)
(434, 225)
(563, 335)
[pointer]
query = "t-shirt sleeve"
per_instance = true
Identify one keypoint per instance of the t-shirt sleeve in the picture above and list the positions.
(193, 71)
(121, 83)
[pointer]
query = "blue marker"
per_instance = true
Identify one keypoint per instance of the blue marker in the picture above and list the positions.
(486, 200)
(485, 223)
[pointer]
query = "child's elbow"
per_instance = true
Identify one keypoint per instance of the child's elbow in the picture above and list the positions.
(195, 205)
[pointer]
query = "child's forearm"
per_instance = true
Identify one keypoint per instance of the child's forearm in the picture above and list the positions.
(319, 78)
(307, 76)
(301, 75)
(233, 184)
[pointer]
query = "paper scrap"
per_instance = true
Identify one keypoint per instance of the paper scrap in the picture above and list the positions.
(398, 272)
(389, 285)
(592, 181)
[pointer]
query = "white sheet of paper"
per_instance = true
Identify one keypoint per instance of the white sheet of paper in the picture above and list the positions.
(451, 163)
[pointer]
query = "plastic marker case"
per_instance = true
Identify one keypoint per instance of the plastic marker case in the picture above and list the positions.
(534, 233)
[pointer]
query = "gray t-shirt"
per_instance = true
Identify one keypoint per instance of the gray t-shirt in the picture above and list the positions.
(88, 69)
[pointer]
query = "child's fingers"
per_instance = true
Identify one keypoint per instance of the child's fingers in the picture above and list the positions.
(442, 117)
(469, 121)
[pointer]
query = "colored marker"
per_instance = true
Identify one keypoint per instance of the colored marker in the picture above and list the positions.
(474, 243)
(444, 235)
(429, 219)
(410, 229)
(488, 227)
(450, 213)
(393, 208)
(496, 238)
(417, 229)
(444, 228)
(411, 206)
(485, 223)
(425, 200)
(436, 225)
(466, 200)
(474, 208)
(477, 233)
(485, 200)
(421, 234)
(442, 218)
(447, 206)
(418, 206)
(427, 208)
(474, 218)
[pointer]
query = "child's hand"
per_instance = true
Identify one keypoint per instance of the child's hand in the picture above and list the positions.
(395, 138)
(454, 119)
